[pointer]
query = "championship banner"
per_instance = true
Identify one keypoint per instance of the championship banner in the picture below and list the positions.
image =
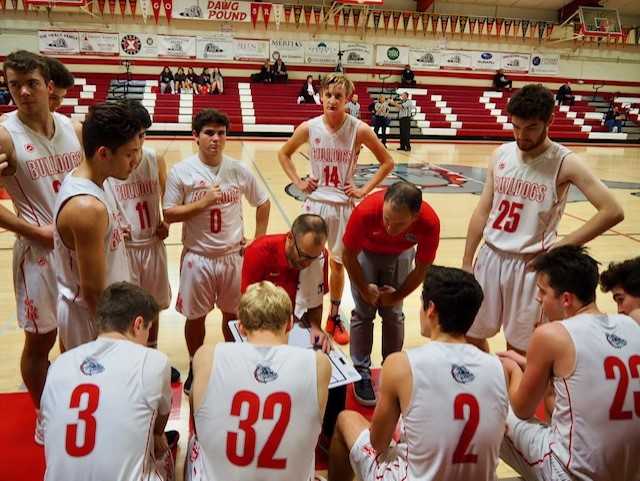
(266, 14)
(415, 17)
(547, 63)
(58, 42)
(101, 4)
(346, 14)
(434, 23)
(396, 21)
(525, 28)
(250, 49)
(290, 51)
(144, 9)
(507, 27)
(112, 7)
(123, 7)
(490, 23)
(287, 13)
(255, 8)
(456, 60)
(541, 27)
(317, 13)
(14, 3)
(481, 24)
(96, 43)
(454, 23)
(392, 55)
(472, 26)
(376, 19)
(215, 47)
(357, 53)
(297, 11)
(463, 24)
(133, 4)
(386, 16)
(278, 13)
(515, 62)
(444, 24)
(424, 58)
(425, 23)
(499, 23)
(3, 5)
(486, 60)
(138, 45)
(356, 17)
(308, 10)
(625, 35)
(406, 18)
(336, 19)
(516, 28)
(155, 6)
(549, 30)
(532, 29)
(321, 52)
(168, 9)
(176, 46)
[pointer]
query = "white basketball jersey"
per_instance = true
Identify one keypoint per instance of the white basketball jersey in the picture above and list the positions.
(218, 230)
(66, 259)
(333, 157)
(526, 203)
(596, 420)
(260, 417)
(99, 405)
(460, 396)
(138, 199)
(42, 165)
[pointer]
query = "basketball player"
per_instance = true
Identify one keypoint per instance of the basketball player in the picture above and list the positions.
(335, 139)
(204, 192)
(622, 279)
(138, 202)
(451, 399)
(62, 81)
(588, 357)
(258, 405)
(518, 214)
(105, 399)
(89, 248)
(39, 149)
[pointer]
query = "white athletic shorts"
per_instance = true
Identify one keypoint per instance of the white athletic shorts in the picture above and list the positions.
(148, 268)
(75, 324)
(336, 217)
(367, 467)
(206, 282)
(35, 287)
(525, 447)
(509, 297)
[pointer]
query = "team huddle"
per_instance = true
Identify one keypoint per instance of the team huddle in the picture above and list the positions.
(93, 206)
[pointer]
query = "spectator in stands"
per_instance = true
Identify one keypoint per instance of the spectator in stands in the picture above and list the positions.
(564, 94)
(5, 96)
(204, 83)
(381, 117)
(192, 80)
(501, 81)
(265, 73)
(166, 81)
(353, 107)
(615, 118)
(217, 81)
(408, 77)
(308, 93)
(279, 71)
(180, 80)
(62, 81)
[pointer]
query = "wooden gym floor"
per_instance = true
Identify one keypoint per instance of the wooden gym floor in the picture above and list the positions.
(612, 163)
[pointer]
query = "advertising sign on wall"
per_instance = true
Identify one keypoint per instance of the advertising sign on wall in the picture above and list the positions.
(97, 43)
(486, 60)
(221, 10)
(548, 63)
(215, 47)
(290, 51)
(424, 58)
(138, 45)
(250, 49)
(515, 62)
(392, 55)
(175, 46)
(456, 59)
(357, 53)
(58, 42)
(323, 52)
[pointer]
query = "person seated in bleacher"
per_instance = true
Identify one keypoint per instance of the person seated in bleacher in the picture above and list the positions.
(308, 93)
(264, 75)
(180, 80)
(279, 71)
(5, 96)
(166, 81)
(501, 81)
(217, 81)
(564, 94)
(204, 82)
(192, 80)
(408, 77)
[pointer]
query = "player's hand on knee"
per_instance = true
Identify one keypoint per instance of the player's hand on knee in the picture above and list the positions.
(388, 296)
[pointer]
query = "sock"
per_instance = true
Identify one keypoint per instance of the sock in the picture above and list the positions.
(335, 307)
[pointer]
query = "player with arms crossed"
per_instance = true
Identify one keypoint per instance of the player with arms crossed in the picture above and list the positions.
(89, 248)
(204, 192)
(592, 360)
(39, 149)
(258, 405)
(335, 139)
(450, 397)
(104, 400)
(523, 199)
(138, 200)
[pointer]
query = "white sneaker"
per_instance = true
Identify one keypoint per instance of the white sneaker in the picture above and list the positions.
(38, 435)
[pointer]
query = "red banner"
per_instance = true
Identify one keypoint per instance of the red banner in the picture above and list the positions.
(133, 5)
(549, 30)
(336, 19)
(386, 15)
(287, 13)
(266, 13)
(3, 4)
(472, 25)
(168, 9)
(255, 10)
(155, 6)
(490, 23)
(123, 7)
(101, 4)
(346, 14)
(112, 7)
(317, 11)
(625, 34)
(396, 21)
(308, 10)
(481, 24)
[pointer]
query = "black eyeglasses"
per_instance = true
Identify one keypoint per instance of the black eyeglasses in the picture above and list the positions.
(302, 255)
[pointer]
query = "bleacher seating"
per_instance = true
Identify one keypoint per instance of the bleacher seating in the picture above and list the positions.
(443, 111)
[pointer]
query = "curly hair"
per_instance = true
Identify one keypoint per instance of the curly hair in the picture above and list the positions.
(624, 274)
(532, 102)
(108, 125)
(209, 117)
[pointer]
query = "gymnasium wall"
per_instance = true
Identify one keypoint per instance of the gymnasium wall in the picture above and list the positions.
(589, 63)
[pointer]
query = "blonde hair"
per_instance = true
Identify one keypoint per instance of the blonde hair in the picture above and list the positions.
(337, 79)
(264, 306)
